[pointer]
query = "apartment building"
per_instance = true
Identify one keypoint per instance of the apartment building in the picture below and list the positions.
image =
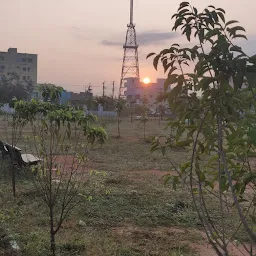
(23, 64)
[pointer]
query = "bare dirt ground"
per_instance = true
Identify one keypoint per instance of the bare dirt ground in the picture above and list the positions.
(178, 236)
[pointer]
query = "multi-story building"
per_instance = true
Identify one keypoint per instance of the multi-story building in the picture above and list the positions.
(23, 64)
(136, 91)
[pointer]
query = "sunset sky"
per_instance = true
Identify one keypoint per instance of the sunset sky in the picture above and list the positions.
(80, 41)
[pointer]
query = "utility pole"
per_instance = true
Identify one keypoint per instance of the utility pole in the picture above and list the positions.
(103, 89)
(113, 89)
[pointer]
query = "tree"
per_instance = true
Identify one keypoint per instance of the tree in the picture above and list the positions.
(51, 92)
(144, 120)
(131, 105)
(107, 102)
(221, 129)
(160, 99)
(120, 103)
(12, 87)
(61, 139)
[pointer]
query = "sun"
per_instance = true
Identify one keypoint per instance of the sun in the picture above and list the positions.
(146, 80)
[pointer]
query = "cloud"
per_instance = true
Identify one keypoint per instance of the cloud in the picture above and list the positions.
(151, 37)
(79, 34)
(111, 43)
(146, 38)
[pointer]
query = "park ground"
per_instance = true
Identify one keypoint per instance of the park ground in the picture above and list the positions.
(131, 212)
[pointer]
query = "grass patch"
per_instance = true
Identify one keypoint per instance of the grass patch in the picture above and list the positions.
(131, 213)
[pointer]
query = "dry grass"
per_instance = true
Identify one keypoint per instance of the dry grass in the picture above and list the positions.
(139, 216)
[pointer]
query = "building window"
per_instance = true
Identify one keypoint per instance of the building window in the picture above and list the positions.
(2, 58)
(24, 78)
(29, 60)
(137, 96)
(24, 69)
(18, 66)
(2, 67)
(28, 69)
(28, 77)
(23, 60)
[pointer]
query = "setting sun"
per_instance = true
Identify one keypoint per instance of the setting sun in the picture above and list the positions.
(146, 80)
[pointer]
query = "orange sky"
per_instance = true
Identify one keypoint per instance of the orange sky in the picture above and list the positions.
(68, 35)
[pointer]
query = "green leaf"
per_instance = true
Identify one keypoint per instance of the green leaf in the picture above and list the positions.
(206, 82)
(183, 4)
(150, 54)
(201, 176)
(184, 166)
(252, 135)
(221, 10)
(165, 51)
(166, 67)
(215, 16)
(231, 22)
(250, 178)
(155, 62)
(177, 23)
(209, 183)
(183, 11)
(195, 191)
(236, 28)
(166, 179)
(201, 38)
(184, 143)
(242, 200)
(236, 48)
(253, 218)
(171, 71)
(212, 32)
(188, 32)
(240, 36)
(175, 182)
(172, 79)
(223, 184)
(221, 15)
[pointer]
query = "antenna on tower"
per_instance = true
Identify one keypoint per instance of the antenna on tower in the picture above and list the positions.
(131, 12)
(130, 65)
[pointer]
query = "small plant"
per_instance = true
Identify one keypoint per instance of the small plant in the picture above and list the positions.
(60, 139)
(144, 120)
(119, 107)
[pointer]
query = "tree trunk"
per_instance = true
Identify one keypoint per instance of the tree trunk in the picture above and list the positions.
(118, 125)
(13, 173)
(144, 130)
(13, 179)
(52, 233)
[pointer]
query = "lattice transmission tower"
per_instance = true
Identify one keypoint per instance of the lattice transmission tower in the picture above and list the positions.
(130, 67)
